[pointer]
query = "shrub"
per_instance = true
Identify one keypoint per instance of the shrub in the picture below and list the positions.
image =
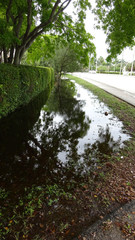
(19, 84)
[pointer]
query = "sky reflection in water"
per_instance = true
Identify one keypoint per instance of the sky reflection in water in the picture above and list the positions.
(103, 134)
(59, 141)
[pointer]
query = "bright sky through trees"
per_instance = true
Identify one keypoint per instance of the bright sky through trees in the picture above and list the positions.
(100, 37)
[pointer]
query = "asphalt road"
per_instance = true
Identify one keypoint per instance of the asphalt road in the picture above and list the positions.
(120, 86)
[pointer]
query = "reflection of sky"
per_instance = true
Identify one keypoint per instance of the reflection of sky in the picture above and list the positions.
(68, 140)
(104, 133)
(57, 119)
(95, 110)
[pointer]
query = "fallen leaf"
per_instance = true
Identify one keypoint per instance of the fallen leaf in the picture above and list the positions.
(112, 199)
(6, 228)
(73, 222)
(67, 232)
(41, 225)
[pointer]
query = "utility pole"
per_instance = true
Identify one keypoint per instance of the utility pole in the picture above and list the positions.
(132, 66)
(89, 61)
(121, 64)
(96, 65)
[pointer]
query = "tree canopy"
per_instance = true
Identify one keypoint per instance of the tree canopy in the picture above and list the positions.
(117, 18)
(21, 22)
(62, 55)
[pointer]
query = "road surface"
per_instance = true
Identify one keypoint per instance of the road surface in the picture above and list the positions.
(120, 86)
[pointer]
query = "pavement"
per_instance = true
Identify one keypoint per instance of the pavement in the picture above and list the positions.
(120, 86)
(119, 225)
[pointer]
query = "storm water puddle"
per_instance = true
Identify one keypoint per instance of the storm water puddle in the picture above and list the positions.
(72, 127)
(55, 143)
(104, 131)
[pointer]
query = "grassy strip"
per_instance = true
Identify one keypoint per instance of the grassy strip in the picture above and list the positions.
(121, 109)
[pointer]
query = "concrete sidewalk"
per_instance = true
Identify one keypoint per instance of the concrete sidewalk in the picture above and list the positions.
(117, 226)
(126, 96)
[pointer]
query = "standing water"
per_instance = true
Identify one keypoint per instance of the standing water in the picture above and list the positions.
(46, 150)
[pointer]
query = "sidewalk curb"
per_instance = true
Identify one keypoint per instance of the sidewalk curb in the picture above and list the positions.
(108, 228)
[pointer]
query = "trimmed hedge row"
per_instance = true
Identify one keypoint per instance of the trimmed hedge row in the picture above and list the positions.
(19, 84)
(104, 72)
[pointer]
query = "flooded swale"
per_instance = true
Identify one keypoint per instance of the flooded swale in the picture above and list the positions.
(49, 156)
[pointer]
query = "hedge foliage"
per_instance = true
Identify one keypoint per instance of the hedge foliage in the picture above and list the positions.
(108, 72)
(20, 84)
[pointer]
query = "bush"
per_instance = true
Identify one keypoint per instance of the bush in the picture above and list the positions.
(19, 84)
(102, 69)
(111, 72)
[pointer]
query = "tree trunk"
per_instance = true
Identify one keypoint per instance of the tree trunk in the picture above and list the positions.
(10, 59)
(23, 50)
(5, 55)
(19, 53)
(0, 56)
(17, 57)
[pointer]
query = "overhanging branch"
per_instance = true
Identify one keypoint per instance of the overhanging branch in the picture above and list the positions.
(8, 10)
(29, 18)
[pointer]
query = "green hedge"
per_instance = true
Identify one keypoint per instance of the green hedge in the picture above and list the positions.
(19, 84)
(104, 72)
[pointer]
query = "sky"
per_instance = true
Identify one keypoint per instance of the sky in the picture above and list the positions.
(100, 38)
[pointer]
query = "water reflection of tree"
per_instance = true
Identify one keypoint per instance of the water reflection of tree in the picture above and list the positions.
(105, 143)
(39, 162)
(14, 127)
(58, 101)
(62, 137)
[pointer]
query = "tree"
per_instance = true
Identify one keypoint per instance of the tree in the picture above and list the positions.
(117, 18)
(21, 22)
(101, 61)
(62, 55)
(65, 60)
(130, 66)
(41, 50)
